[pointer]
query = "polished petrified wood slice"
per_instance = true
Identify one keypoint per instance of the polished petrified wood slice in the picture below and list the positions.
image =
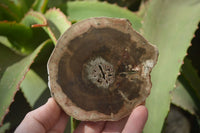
(100, 69)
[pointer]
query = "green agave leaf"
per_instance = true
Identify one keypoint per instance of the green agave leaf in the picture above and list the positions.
(33, 87)
(12, 77)
(10, 11)
(182, 98)
(187, 91)
(57, 21)
(143, 8)
(54, 22)
(40, 5)
(190, 74)
(81, 10)
(16, 32)
(40, 64)
(21, 37)
(4, 40)
(10, 29)
(14, 9)
(4, 128)
(55, 3)
(24, 5)
(36, 19)
(33, 17)
(40, 68)
(170, 25)
(17, 111)
(1, 16)
(7, 58)
(6, 14)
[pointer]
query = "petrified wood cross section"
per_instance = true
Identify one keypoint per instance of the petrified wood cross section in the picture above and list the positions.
(100, 69)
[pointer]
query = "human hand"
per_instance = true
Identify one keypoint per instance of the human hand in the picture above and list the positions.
(50, 118)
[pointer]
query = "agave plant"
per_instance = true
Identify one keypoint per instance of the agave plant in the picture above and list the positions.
(29, 29)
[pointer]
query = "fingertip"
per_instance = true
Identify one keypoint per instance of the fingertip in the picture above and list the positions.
(50, 100)
(137, 120)
(140, 110)
(51, 103)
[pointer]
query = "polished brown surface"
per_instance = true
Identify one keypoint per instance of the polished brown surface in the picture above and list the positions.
(102, 68)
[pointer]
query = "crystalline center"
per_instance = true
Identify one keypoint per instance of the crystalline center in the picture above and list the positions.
(100, 72)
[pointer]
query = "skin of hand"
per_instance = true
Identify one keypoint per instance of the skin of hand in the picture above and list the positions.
(50, 118)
